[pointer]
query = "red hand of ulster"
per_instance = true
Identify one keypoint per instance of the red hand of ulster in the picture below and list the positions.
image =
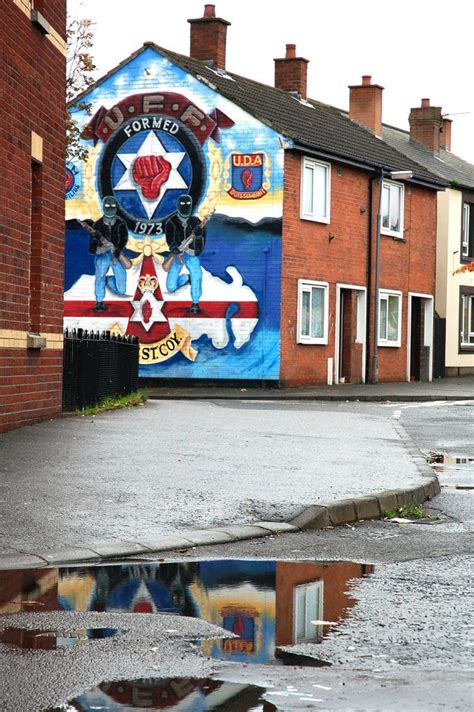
(150, 172)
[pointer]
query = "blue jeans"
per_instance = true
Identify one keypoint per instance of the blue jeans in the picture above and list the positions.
(175, 280)
(117, 283)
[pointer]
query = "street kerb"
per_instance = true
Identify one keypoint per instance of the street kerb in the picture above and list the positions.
(317, 516)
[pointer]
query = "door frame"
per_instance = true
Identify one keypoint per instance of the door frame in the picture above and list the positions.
(360, 326)
(428, 330)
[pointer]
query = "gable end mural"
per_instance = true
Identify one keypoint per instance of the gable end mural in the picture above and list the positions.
(174, 225)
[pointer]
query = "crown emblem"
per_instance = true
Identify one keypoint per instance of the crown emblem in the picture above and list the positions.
(147, 283)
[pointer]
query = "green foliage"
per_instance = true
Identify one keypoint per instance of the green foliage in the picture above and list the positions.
(117, 403)
(409, 511)
(80, 68)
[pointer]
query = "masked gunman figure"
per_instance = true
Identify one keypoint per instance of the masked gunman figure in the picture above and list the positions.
(108, 239)
(186, 237)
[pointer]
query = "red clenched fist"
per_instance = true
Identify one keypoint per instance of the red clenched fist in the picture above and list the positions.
(150, 172)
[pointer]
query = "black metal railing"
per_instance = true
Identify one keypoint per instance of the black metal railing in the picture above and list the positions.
(97, 365)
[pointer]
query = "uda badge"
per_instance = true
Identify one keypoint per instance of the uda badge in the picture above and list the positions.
(249, 175)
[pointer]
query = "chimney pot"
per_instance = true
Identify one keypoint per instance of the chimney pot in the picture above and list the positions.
(426, 123)
(291, 72)
(365, 104)
(208, 37)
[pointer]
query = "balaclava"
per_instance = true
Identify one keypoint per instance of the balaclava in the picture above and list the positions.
(184, 206)
(109, 206)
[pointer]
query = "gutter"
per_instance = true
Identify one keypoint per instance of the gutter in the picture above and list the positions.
(372, 167)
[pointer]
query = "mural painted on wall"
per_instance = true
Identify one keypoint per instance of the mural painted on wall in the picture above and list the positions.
(174, 225)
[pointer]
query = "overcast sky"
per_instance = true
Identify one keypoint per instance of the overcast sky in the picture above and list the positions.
(414, 48)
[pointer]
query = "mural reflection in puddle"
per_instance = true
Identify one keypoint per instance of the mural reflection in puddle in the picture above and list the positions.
(195, 695)
(265, 604)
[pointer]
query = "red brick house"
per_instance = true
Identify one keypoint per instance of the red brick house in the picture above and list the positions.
(296, 177)
(32, 140)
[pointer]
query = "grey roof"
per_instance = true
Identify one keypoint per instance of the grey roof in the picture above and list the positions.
(447, 165)
(312, 125)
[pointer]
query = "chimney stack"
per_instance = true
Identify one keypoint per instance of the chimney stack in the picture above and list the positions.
(426, 124)
(291, 72)
(365, 104)
(445, 139)
(208, 37)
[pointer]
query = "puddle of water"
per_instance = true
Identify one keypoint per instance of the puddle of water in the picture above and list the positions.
(266, 604)
(52, 640)
(191, 694)
(453, 470)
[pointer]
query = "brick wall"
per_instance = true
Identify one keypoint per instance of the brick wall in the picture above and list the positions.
(337, 253)
(32, 125)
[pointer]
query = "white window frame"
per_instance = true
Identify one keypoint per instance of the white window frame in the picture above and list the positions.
(309, 616)
(466, 218)
(306, 285)
(312, 214)
(385, 230)
(384, 294)
(470, 309)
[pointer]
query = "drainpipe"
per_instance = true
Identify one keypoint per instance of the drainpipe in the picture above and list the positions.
(369, 282)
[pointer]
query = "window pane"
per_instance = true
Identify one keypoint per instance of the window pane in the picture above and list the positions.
(465, 229)
(300, 614)
(320, 200)
(383, 319)
(392, 325)
(395, 196)
(471, 319)
(385, 206)
(308, 189)
(317, 312)
(465, 320)
(305, 314)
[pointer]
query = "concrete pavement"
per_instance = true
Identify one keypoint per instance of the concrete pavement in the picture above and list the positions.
(184, 473)
(461, 388)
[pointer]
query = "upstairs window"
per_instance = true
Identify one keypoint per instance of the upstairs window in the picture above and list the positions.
(390, 321)
(392, 209)
(467, 232)
(315, 190)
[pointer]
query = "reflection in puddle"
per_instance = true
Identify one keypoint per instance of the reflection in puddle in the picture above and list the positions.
(182, 694)
(454, 471)
(52, 640)
(451, 460)
(265, 604)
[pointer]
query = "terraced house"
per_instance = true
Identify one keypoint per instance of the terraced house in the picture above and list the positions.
(32, 140)
(312, 253)
(429, 144)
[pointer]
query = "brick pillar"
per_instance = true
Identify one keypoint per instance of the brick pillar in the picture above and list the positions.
(208, 37)
(365, 104)
(291, 72)
(445, 138)
(426, 124)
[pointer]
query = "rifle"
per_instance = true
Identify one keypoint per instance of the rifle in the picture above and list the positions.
(106, 244)
(184, 244)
